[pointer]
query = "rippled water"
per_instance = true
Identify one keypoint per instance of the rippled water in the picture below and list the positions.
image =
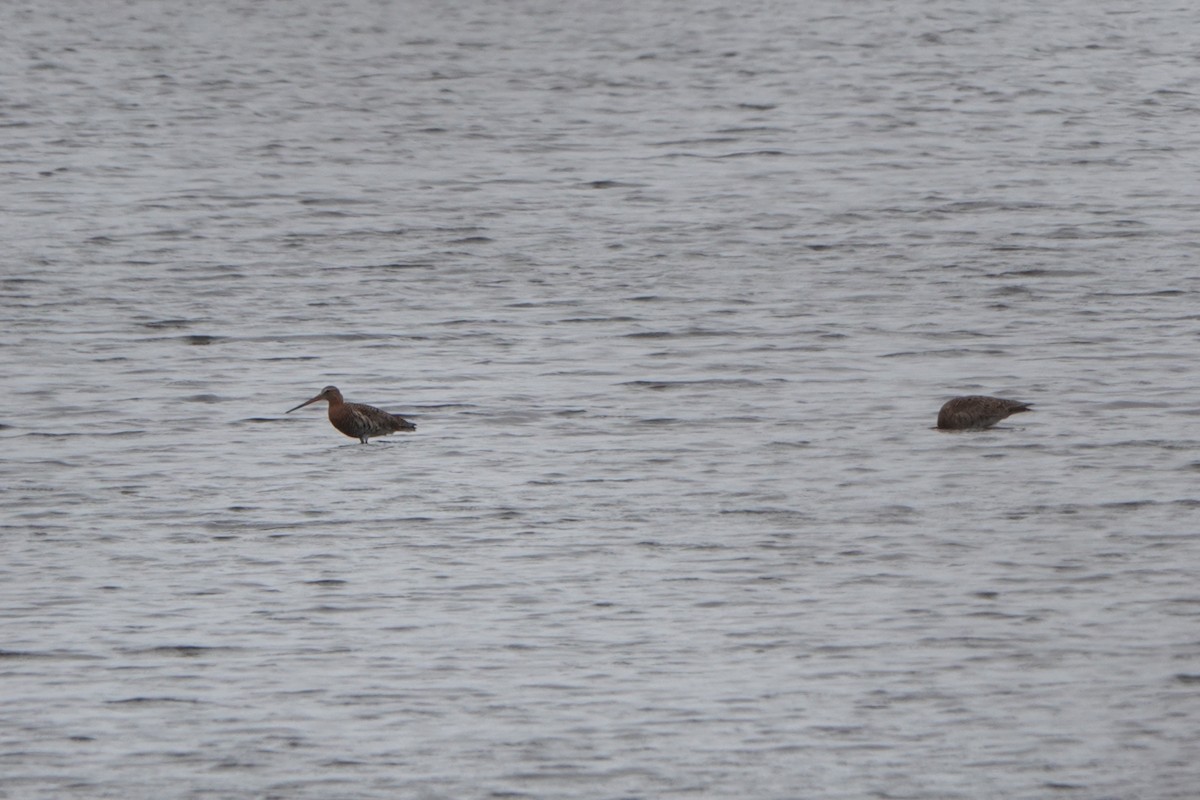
(673, 292)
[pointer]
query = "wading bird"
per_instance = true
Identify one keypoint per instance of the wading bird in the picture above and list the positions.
(976, 412)
(356, 420)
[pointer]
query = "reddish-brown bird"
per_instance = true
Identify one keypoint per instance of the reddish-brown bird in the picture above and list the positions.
(976, 412)
(356, 420)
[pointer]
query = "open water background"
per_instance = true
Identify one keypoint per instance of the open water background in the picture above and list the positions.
(674, 291)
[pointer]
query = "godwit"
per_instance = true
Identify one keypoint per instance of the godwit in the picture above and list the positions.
(356, 420)
(976, 412)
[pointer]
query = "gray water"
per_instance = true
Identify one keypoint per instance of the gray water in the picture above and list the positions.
(673, 291)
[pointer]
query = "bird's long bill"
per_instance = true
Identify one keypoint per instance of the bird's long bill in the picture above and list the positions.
(302, 405)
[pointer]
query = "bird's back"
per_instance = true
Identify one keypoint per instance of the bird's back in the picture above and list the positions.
(977, 411)
(362, 421)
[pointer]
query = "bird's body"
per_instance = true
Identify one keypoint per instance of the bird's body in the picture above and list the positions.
(357, 420)
(976, 412)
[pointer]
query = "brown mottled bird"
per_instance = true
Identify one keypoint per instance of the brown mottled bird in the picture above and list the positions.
(356, 420)
(976, 412)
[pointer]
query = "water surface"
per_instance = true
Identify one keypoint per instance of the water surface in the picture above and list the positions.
(673, 292)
